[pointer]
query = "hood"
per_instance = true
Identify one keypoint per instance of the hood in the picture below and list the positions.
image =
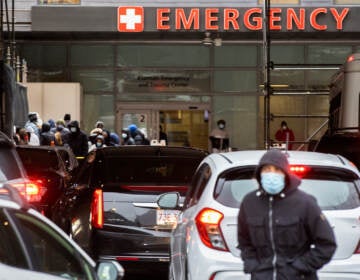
(278, 159)
(45, 127)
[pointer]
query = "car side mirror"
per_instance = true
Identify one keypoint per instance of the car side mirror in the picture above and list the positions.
(109, 270)
(169, 200)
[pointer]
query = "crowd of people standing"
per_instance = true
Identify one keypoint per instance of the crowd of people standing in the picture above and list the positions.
(67, 132)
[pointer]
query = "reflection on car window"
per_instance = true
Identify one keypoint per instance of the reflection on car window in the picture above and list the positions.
(52, 253)
(332, 195)
(8, 165)
(147, 170)
(38, 159)
(10, 248)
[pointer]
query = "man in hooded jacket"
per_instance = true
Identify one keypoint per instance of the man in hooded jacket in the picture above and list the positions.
(282, 232)
(77, 140)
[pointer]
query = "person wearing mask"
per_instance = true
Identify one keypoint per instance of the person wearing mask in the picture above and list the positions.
(99, 143)
(31, 124)
(282, 233)
(67, 119)
(137, 135)
(77, 140)
(219, 138)
(126, 138)
(284, 135)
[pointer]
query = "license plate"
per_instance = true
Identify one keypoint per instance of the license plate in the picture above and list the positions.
(166, 217)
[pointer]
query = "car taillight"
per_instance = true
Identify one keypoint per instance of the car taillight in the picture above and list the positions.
(32, 190)
(208, 225)
(97, 209)
(299, 170)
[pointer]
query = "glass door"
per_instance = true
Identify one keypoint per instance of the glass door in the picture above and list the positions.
(183, 126)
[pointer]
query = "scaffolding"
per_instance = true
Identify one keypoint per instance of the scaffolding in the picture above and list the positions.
(268, 67)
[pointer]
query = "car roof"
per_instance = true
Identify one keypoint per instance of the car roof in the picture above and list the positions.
(5, 141)
(143, 150)
(228, 160)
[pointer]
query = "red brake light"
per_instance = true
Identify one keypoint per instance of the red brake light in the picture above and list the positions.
(299, 170)
(97, 209)
(357, 250)
(32, 190)
(208, 224)
(351, 58)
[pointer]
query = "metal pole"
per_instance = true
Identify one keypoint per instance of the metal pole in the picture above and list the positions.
(266, 72)
(13, 43)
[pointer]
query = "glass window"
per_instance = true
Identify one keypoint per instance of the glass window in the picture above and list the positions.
(44, 56)
(95, 80)
(51, 253)
(11, 252)
(85, 55)
(235, 81)
(332, 195)
(201, 178)
(8, 165)
(66, 2)
(319, 79)
(158, 170)
(343, 2)
(289, 79)
(35, 160)
(41, 75)
(98, 108)
(163, 98)
(324, 54)
(332, 188)
(280, 1)
(281, 54)
(235, 56)
(157, 81)
(164, 55)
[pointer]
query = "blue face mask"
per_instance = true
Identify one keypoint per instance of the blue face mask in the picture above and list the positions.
(272, 183)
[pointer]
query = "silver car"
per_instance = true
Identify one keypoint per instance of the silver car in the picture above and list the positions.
(204, 242)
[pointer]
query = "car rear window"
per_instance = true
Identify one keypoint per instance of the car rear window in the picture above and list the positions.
(149, 170)
(9, 169)
(38, 159)
(333, 190)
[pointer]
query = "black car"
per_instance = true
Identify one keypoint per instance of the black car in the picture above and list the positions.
(31, 246)
(51, 168)
(12, 171)
(111, 211)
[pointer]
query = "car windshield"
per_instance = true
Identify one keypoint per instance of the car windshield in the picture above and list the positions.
(331, 193)
(9, 169)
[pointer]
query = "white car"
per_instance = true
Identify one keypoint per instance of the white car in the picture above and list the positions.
(204, 242)
(32, 247)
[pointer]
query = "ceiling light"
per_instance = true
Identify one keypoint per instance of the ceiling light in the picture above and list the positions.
(207, 41)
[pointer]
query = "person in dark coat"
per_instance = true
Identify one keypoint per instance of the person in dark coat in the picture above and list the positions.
(46, 136)
(282, 232)
(77, 140)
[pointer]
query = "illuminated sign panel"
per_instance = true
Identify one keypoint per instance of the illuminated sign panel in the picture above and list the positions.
(241, 19)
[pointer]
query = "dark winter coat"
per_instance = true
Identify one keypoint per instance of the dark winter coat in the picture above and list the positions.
(46, 136)
(77, 140)
(285, 236)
